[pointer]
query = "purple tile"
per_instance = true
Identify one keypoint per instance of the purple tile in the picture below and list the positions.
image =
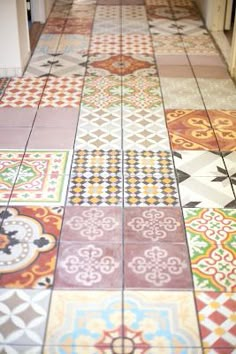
(13, 138)
(86, 224)
(160, 266)
(51, 138)
(17, 117)
(57, 117)
(85, 266)
(154, 224)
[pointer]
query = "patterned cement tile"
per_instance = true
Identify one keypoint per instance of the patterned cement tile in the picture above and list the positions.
(189, 12)
(105, 12)
(96, 178)
(47, 43)
(20, 349)
(225, 128)
(199, 44)
(134, 26)
(99, 129)
(70, 64)
(72, 44)
(181, 93)
(192, 27)
(54, 25)
(210, 226)
(206, 192)
(216, 312)
(88, 266)
(136, 44)
(106, 64)
(40, 65)
(133, 12)
(159, 11)
(23, 316)
(218, 94)
(102, 93)
(105, 43)
(160, 266)
(87, 224)
(91, 319)
(213, 266)
(23, 92)
(230, 162)
(167, 45)
(10, 161)
(199, 163)
(3, 84)
(190, 130)
(141, 93)
(163, 27)
(145, 131)
(219, 351)
(62, 92)
(29, 237)
(42, 178)
(145, 310)
(82, 28)
(149, 179)
(107, 26)
(153, 224)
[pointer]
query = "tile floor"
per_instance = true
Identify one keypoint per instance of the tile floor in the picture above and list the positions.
(118, 186)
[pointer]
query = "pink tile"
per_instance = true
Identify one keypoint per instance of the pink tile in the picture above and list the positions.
(206, 60)
(154, 224)
(51, 138)
(175, 71)
(214, 72)
(169, 60)
(82, 266)
(14, 138)
(87, 224)
(57, 117)
(160, 266)
(17, 117)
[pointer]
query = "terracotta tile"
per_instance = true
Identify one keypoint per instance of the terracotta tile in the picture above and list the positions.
(160, 266)
(57, 118)
(154, 224)
(217, 321)
(190, 130)
(84, 266)
(17, 117)
(87, 224)
(28, 306)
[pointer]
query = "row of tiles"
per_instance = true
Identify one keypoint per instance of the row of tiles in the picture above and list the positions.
(42, 177)
(91, 254)
(111, 93)
(95, 319)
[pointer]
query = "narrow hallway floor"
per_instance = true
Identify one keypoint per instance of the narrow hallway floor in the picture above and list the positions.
(118, 186)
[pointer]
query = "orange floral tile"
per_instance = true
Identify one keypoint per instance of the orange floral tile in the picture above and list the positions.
(224, 123)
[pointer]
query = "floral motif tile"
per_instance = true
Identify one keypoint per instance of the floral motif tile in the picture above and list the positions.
(163, 27)
(134, 12)
(88, 266)
(144, 312)
(206, 192)
(23, 316)
(213, 266)
(70, 64)
(141, 93)
(193, 27)
(107, 26)
(190, 130)
(20, 349)
(96, 178)
(167, 45)
(99, 129)
(224, 124)
(230, 163)
(218, 94)
(88, 224)
(219, 351)
(199, 163)
(183, 12)
(91, 319)
(210, 226)
(181, 93)
(149, 179)
(28, 246)
(40, 65)
(121, 64)
(136, 44)
(62, 92)
(10, 161)
(153, 225)
(72, 44)
(160, 11)
(105, 43)
(102, 93)
(157, 266)
(23, 92)
(103, 12)
(216, 312)
(199, 44)
(42, 179)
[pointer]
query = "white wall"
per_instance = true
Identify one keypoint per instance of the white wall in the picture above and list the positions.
(14, 37)
(213, 12)
(40, 9)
